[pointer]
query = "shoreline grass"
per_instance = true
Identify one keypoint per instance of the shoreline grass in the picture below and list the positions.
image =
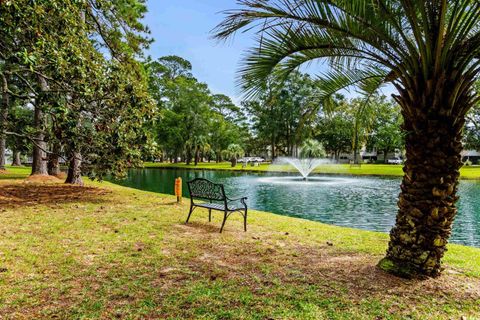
(107, 251)
(381, 170)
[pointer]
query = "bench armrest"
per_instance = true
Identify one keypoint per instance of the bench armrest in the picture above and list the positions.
(237, 199)
(241, 200)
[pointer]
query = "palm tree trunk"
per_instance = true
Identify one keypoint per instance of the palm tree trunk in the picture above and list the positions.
(428, 193)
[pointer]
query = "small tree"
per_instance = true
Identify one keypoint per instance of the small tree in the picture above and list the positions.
(233, 152)
(312, 149)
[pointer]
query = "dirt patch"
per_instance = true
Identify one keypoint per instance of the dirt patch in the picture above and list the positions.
(359, 275)
(3, 171)
(62, 176)
(333, 272)
(12, 196)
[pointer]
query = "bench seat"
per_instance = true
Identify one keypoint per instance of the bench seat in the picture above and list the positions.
(218, 206)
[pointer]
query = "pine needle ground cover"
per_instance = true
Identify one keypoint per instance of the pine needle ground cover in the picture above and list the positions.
(105, 251)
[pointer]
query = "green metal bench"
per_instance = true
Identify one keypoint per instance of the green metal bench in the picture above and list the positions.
(213, 197)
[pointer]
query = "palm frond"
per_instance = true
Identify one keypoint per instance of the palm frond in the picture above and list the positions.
(411, 41)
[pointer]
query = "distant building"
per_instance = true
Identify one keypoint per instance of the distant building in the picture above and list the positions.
(370, 156)
(471, 155)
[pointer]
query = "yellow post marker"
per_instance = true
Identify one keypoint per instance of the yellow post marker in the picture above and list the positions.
(178, 189)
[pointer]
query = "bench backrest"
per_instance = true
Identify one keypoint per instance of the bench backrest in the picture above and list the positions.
(204, 189)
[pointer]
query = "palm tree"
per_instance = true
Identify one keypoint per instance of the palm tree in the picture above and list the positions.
(428, 49)
(199, 142)
(233, 151)
(312, 149)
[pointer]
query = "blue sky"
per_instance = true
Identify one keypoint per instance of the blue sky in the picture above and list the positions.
(182, 27)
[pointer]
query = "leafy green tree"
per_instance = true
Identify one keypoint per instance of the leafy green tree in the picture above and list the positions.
(472, 138)
(19, 117)
(210, 154)
(386, 134)
(198, 143)
(472, 126)
(222, 133)
(71, 70)
(429, 50)
(224, 106)
(191, 122)
(233, 152)
(335, 132)
(228, 125)
(186, 116)
(162, 74)
(284, 112)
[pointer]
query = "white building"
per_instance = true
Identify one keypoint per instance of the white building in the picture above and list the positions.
(471, 155)
(370, 155)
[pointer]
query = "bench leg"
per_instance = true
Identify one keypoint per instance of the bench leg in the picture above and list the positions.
(189, 214)
(224, 220)
(209, 215)
(245, 221)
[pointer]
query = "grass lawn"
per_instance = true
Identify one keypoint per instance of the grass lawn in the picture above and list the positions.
(105, 251)
(15, 173)
(471, 172)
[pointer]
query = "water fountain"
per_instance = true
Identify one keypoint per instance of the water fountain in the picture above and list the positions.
(304, 166)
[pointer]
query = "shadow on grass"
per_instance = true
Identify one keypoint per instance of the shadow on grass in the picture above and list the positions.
(207, 227)
(14, 196)
(273, 264)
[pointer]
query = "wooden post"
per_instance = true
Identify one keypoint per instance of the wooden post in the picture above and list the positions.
(178, 189)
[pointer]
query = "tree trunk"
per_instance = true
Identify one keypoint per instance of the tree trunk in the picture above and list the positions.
(53, 161)
(17, 160)
(385, 154)
(188, 158)
(39, 163)
(428, 192)
(74, 175)
(3, 122)
(197, 155)
(356, 157)
(234, 161)
(273, 147)
(3, 159)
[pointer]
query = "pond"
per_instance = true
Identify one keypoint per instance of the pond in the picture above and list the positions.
(359, 202)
